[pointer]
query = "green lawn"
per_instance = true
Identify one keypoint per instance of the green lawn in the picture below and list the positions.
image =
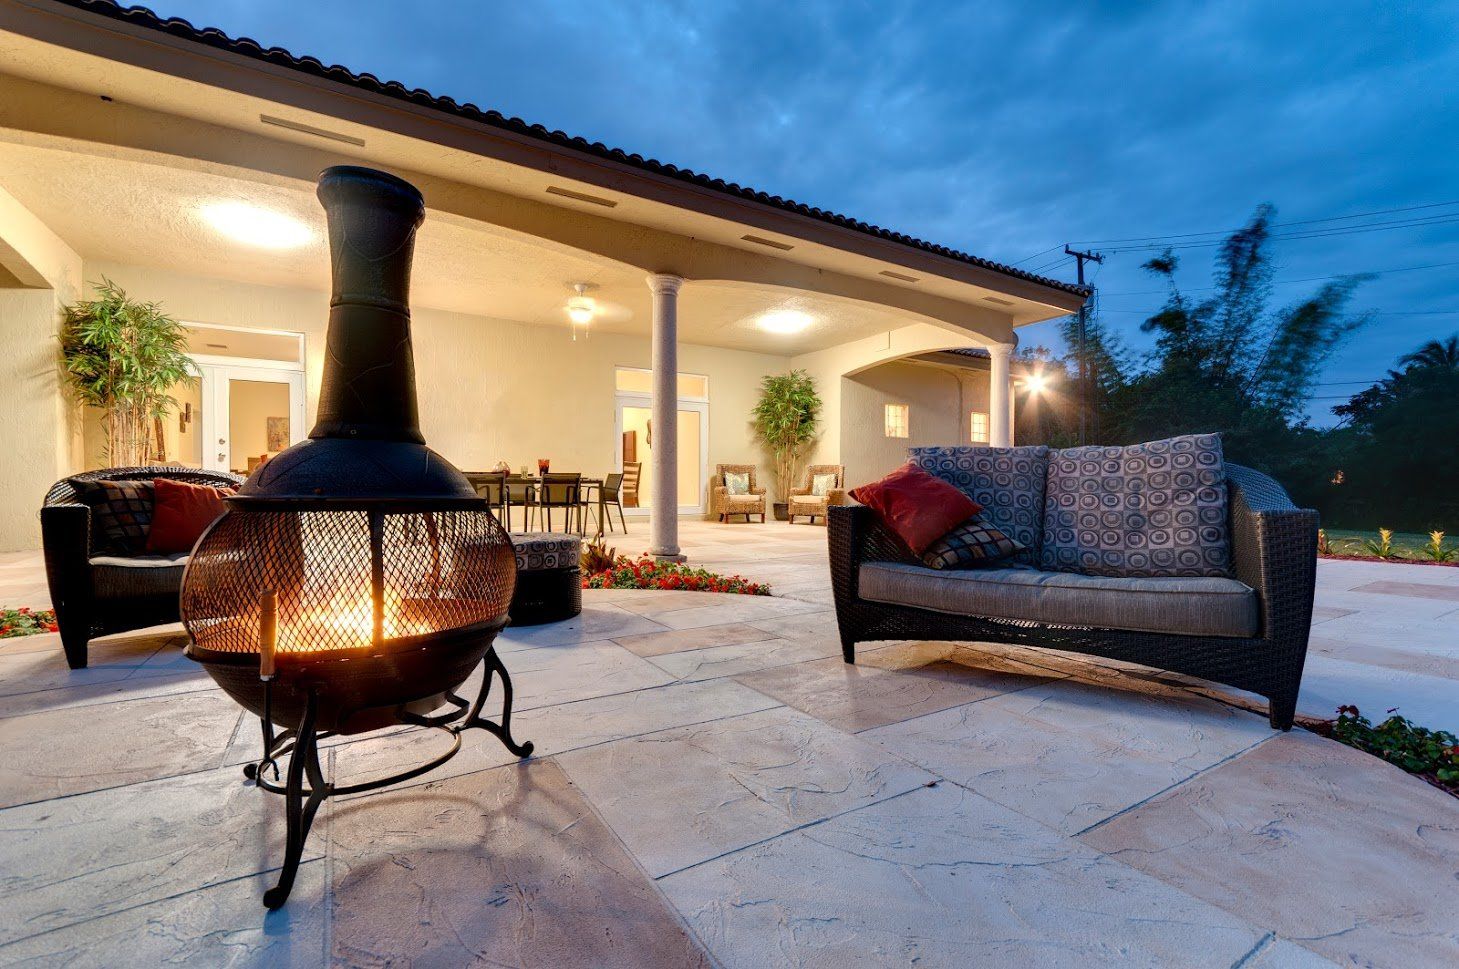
(1409, 545)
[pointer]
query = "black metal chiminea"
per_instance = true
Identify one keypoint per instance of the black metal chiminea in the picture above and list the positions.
(356, 580)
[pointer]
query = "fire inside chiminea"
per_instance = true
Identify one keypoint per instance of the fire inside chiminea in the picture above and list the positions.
(356, 580)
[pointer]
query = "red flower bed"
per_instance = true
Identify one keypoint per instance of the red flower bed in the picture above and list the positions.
(645, 573)
(26, 622)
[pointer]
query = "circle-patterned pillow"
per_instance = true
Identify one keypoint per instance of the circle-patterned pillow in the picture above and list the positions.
(1007, 482)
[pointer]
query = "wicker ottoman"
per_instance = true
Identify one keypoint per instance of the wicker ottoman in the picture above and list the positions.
(549, 578)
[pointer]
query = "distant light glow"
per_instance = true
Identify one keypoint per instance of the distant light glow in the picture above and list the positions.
(257, 226)
(1036, 383)
(785, 321)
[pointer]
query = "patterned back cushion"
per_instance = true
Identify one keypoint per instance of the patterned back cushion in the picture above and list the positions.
(1156, 509)
(823, 484)
(737, 482)
(1007, 481)
(121, 514)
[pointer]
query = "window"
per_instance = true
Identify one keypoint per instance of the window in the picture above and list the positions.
(692, 386)
(978, 429)
(897, 420)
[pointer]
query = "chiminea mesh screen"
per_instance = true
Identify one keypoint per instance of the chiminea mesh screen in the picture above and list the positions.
(437, 571)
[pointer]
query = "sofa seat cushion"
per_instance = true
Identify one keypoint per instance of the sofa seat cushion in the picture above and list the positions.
(1184, 606)
(137, 576)
(1007, 481)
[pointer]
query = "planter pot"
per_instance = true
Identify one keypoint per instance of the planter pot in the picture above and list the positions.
(782, 511)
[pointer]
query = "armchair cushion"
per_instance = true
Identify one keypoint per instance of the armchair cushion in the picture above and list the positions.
(823, 484)
(121, 513)
(182, 513)
(1147, 510)
(737, 482)
(917, 507)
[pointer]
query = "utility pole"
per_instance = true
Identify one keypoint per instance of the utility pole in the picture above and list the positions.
(1086, 369)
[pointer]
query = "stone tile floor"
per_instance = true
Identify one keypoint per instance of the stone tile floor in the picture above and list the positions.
(714, 787)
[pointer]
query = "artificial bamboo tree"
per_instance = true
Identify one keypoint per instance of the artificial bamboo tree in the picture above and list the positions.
(125, 357)
(785, 420)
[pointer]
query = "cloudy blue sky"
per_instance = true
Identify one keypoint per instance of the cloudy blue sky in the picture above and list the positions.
(1003, 129)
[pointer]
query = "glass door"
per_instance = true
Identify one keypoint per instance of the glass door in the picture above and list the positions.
(249, 415)
(633, 429)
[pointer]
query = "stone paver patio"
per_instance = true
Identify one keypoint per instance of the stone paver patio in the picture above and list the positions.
(713, 786)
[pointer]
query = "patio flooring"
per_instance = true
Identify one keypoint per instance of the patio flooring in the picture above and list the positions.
(713, 786)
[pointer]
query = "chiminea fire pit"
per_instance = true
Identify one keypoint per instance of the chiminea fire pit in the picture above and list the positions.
(356, 580)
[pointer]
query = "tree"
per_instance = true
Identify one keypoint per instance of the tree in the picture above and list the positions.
(124, 357)
(785, 421)
(1442, 354)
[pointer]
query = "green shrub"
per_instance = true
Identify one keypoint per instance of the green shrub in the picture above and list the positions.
(1432, 754)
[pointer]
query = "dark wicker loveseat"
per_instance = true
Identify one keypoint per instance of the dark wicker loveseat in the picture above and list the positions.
(95, 594)
(1273, 551)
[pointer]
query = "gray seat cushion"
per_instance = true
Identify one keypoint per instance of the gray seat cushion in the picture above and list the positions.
(1007, 481)
(1185, 606)
(1156, 509)
(134, 576)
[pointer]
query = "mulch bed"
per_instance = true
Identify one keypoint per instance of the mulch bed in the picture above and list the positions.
(1393, 561)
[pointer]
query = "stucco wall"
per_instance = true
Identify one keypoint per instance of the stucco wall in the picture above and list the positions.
(939, 401)
(489, 390)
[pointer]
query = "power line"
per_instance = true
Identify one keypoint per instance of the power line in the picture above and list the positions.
(1327, 233)
(1303, 279)
(1333, 218)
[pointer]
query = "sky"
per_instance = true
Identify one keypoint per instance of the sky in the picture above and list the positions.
(1004, 129)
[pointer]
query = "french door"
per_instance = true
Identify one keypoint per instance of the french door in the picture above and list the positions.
(633, 434)
(248, 414)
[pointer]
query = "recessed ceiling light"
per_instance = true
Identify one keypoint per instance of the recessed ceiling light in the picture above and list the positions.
(257, 226)
(785, 321)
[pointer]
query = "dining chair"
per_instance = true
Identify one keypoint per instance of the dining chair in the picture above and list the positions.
(521, 492)
(610, 492)
(560, 490)
(632, 471)
(492, 485)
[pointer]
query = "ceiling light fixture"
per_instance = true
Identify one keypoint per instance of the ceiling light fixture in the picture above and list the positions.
(257, 226)
(580, 310)
(785, 322)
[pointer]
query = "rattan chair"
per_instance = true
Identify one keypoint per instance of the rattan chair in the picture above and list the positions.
(1273, 550)
(724, 505)
(95, 594)
(807, 505)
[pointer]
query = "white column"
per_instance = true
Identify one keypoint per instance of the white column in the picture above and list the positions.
(664, 510)
(1000, 396)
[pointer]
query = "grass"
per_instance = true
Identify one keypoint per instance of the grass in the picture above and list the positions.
(1407, 545)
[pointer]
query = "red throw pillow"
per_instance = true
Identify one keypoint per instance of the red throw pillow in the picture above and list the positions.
(916, 506)
(182, 512)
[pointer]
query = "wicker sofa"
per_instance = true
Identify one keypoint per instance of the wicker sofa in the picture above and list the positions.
(1254, 637)
(95, 594)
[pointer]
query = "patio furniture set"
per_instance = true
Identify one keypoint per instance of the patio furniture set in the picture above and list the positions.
(733, 490)
(572, 494)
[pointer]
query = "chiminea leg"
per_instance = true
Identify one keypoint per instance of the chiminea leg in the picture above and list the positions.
(503, 730)
(298, 812)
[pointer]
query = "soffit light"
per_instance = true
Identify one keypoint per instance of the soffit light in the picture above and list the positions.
(1036, 383)
(256, 225)
(785, 321)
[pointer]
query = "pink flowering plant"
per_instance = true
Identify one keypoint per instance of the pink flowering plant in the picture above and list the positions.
(26, 622)
(646, 573)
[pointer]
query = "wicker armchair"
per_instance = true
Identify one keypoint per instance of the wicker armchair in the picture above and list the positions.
(723, 504)
(1273, 551)
(98, 594)
(805, 504)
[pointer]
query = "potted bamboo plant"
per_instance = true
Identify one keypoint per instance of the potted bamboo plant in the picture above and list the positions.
(785, 420)
(124, 357)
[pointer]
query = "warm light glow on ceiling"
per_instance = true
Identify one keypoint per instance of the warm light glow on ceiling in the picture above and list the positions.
(257, 226)
(785, 321)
